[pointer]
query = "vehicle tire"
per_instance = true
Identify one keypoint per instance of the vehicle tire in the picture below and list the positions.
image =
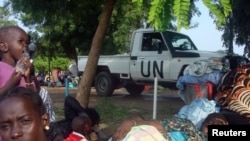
(104, 84)
(134, 89)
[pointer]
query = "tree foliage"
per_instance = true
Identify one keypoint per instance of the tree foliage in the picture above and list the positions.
(41, 63)
(241, 21)
(66, 26)
(5, 16)
(161, 12)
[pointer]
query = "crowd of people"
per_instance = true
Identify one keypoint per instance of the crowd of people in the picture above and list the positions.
(57, 78)
(30, 115)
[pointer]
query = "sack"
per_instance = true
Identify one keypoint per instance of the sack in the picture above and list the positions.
(193, 91)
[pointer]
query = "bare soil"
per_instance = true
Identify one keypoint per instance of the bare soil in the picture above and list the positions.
(166, 104)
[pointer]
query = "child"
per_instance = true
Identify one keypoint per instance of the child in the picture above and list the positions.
(25, 109)
(81, 126)
(13, 45)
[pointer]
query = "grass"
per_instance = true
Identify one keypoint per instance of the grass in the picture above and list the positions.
(109, 113)
(112, 114)
(59, 112)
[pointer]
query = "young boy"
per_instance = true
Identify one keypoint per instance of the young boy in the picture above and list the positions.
(81, 126)
(13, 45)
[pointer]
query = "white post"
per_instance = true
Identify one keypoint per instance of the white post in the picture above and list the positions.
(155, 98)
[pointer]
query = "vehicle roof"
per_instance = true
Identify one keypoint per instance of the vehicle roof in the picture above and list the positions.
(154, 30)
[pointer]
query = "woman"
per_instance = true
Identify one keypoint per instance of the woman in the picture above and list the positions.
(24, 118)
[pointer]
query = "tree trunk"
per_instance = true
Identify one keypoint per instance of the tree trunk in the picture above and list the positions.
(90, 69)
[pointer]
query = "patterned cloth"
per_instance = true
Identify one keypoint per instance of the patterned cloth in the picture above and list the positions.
(184, 127)
(74, 136)
(234, 91)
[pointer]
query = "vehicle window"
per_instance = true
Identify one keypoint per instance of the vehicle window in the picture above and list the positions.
(180, 41)
(152, 42)
(181, 44)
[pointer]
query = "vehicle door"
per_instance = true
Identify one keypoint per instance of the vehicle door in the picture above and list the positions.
(152, 59)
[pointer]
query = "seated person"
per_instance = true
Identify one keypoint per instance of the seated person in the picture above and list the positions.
(147, 44)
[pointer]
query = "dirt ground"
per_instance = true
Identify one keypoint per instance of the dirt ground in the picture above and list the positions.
(166, 103)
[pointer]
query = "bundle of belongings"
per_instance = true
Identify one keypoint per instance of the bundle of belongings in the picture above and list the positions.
(199, 78)
(202, 78)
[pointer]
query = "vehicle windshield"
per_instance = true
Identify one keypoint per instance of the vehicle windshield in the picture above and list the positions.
(178, 41)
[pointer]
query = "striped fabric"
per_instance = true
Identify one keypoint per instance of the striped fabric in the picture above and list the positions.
(48, 103)
(233, 92)
(237, 106)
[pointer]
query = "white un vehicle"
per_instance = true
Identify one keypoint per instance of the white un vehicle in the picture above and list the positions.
(152, 54)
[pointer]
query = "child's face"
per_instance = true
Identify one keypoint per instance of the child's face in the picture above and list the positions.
(20, 121)
(17, 41)
(82, 125)
(88, 128)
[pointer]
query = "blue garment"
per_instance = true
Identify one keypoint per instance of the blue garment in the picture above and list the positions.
(177, 136)
(213, 77)
(198, 110)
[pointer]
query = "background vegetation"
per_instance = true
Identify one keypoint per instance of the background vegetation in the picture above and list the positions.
(68, 28)
(42, 63)
(65, 28)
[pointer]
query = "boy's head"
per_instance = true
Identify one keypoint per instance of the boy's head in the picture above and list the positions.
(13, 42)
(82, 124)
(213, 119)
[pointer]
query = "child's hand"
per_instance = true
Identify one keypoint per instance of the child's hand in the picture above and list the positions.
(23, 66)
(14, 79)
(28, 68)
